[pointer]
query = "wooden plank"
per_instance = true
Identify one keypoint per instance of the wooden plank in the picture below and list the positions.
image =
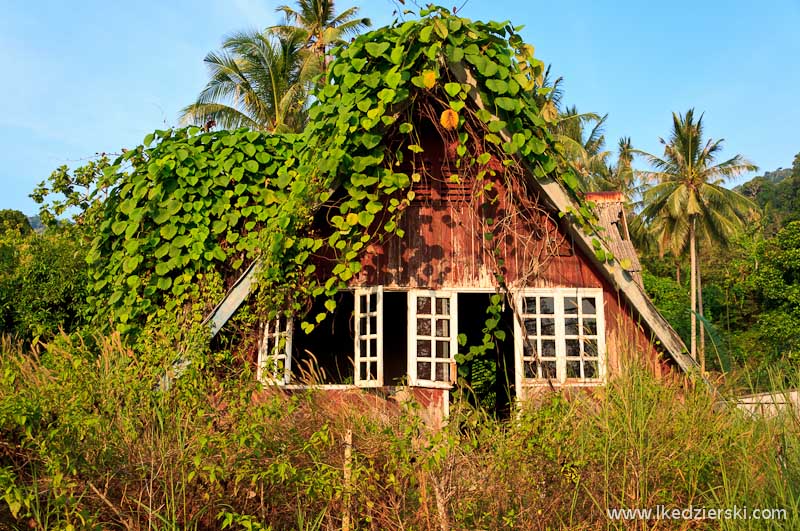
(558, 199)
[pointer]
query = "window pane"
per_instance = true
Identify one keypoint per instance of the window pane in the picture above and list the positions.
(364, 351)
(442, 327)
(364, 307)
(548, 326)
(442, 306)
(363, 324)
(373, 302)
(443, 349)
(424, 326)
(529, 349)
(373, 325)
(588, 306)
(373, 370)
(363, 371)
(547, 305)
(570, 305)
(373, 353)
(571, 326)
(529, 305)
(548, 369)
(530, 370)
(590, 369)
(548, 348)
(423, 370)
(590, 327)
(442, 372)
(424, 305)
(574, 369)
(590, 348)
(530, 327)
(424, 349)
(573, 347)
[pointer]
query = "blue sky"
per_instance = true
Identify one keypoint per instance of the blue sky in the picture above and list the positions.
(92, 76)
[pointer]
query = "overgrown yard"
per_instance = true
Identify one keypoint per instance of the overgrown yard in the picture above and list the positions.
(87, 441)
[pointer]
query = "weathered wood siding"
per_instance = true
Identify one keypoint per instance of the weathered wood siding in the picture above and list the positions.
(444, 247)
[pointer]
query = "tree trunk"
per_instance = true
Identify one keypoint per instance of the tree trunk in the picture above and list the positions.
(678, 270)
(702, 326)
(693, 288)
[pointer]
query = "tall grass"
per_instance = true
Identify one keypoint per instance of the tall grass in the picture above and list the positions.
(87, 441)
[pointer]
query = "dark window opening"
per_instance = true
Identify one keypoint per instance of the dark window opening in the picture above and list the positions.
(325, 356)
(490, 375)
(395, 338)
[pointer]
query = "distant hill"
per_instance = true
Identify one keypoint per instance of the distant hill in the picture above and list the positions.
(777, 193)
(36, 223)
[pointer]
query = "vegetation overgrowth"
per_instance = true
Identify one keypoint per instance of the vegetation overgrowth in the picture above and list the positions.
(89, 442)
(94, 312)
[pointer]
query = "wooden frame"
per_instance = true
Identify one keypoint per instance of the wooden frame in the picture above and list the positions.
(432, 337)
(274, 366)
(368, 351)
(561, 340)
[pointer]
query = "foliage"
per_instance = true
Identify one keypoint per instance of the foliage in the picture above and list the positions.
(196, 199)
(777, 193)
(14, 220)
(90, 443)
(778, 283)
(258, 80)
(689, 187)
(189, 203)
(320, 26)
(671, 299)
(43, 283)
(262, 79)
(80, 193)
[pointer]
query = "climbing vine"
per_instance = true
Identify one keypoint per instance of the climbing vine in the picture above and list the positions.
(189, 200)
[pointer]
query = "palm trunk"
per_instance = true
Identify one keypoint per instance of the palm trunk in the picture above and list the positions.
(702, 326)
(693, 288)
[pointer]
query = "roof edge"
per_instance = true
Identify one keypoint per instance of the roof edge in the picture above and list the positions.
(555, 193)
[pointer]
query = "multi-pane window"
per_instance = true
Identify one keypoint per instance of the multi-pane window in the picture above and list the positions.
(432, 336)
(559, 336)
(369, 337)
(274, 351)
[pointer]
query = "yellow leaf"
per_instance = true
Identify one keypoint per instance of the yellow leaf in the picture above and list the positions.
(449, 119)
(429, 78)
(352, 219)
(549, 112)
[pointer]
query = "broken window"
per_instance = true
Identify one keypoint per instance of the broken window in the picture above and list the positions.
(274, 352)
(432, 337)
(560, 336)
(369, 337)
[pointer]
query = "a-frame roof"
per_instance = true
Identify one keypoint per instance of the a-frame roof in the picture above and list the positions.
(456, 66)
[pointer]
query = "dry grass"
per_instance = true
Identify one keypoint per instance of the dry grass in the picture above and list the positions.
(87, 440)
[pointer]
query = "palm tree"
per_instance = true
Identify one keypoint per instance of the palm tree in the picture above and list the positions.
(258, 80)
(689, 199)
(320, 26)
(585, 153)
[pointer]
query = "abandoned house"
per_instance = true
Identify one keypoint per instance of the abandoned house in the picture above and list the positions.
(567, 317)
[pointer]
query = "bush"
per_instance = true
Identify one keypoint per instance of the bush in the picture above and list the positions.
(43, 283)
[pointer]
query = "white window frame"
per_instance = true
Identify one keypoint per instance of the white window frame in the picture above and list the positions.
(413, 336)
(274, 332)
(368, 335)
(520, 335)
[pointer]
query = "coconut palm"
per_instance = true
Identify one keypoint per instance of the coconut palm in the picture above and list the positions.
(585, 153)
(319, 25)
(688, 199)
(258, 80)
